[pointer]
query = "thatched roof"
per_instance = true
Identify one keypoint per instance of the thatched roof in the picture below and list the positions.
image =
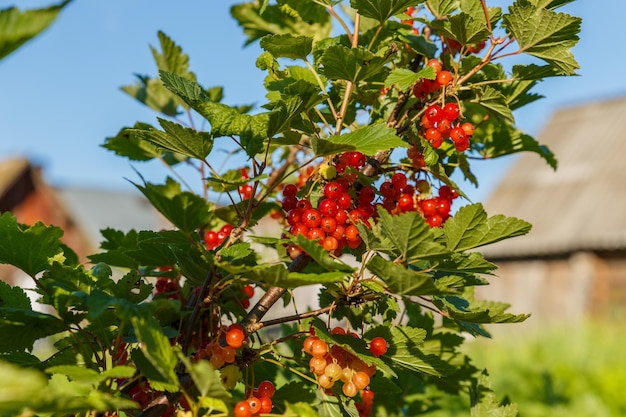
(581, 206)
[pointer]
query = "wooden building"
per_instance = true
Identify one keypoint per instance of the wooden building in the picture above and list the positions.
(573, 262)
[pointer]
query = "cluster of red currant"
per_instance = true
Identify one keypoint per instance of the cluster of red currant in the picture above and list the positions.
(333, 220)
(440, 123)
(213, 239)
(332, 364)
(258, 402)
(223, 349)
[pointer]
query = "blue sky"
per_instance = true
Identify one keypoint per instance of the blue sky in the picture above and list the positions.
(60, 97)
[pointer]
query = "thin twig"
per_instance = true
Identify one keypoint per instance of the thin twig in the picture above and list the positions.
(350, 84)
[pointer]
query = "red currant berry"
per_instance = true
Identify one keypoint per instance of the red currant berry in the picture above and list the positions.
(349, 389)
(445, 192)
(352, 233)
(361, 380)
(433, 136)
(255, 404)
(242, 409)
(328, 208)
(356, 159)
(451, 111)
(290, 190)
(328, 225)
(266, 389)
(429, 207)
(378, 346)
(289, 203)
(344, 201)
(389, 190)
(266, 405)
(299, 229)
(367, 194)
(434, 221)
(332, 190)
(457, 135)
(426, 123)
(303, 204)
(405, 202)
(444, 78)
(434, 113)
(443, 206)
(467, 128)
(235, 336)
(462, 145)
(315, 233)
(311, 217)
(294, 216)
(434, 63)
(399, 180)
(248, 290)
(341, 217)
(330, 243)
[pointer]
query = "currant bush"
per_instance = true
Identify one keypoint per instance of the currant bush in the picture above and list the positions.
(340, 183)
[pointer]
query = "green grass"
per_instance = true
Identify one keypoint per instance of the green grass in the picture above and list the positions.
(573, 371)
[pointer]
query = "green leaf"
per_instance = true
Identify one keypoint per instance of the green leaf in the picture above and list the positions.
(381, 10)
(14, 297)
(400, 279)
(290, 16)
(463, 28)
(156, 349)
(171, 59)
(176, 138)
(321, 256)
(186, 89)
(128, 145)
(283, 113)
(132, 287)
(472, 262)
(442, 8)
(287, 46)
(351, 64)
(420, 44)
(299, 409)
(17, 27)
(25, 327)
(184, 209)
(28, 248)
(151, 92)
(278, 275)
(334, 405)
(368, 139)
(407, 350)
(470, 228)
(484, 402)
(206, 378)
(84, 375)
(19, 387)
(229, 121)
(545, 34)
(404, 78)
(412, 238)
(495, 102)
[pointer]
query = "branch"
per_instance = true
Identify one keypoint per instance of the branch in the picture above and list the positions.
(271, 296)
